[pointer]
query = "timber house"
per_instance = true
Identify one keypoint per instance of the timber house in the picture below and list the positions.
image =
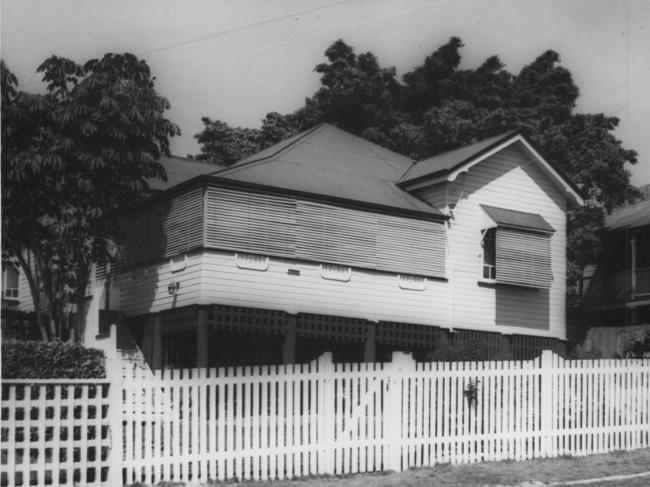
(328, 242)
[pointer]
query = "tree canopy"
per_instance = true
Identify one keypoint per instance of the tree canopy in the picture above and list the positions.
(72, 158)
(439, 106)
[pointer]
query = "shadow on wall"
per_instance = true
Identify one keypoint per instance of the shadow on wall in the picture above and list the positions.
(523, 307)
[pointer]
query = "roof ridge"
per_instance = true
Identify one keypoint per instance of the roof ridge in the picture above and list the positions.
(300, 137)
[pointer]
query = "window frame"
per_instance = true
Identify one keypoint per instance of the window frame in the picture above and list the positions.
(520, 252)
(492, 233)
(10, 293)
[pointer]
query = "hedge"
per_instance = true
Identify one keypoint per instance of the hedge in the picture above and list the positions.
(55, 360)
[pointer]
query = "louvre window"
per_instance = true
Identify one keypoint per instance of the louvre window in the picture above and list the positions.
(517, 249)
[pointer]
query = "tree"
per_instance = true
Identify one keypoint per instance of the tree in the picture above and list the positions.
(224, 145)
(72, 159)
(440, 107)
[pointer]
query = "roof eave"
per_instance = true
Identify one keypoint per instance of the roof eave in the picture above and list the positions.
(482, 154)
(571, 191)
(226, 182)
(351, 203)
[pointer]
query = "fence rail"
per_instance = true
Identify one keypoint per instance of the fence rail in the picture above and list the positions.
(318, 418)
(325, 418)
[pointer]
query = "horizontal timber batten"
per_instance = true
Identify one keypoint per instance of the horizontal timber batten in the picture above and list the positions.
(282, 225)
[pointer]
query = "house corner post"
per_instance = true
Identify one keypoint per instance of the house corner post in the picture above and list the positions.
(152, 341)
(547, 413)
(114, 414)
(157, 358)
(402, 366)
(369, 345)
(289, 344)
(202, 337)
(326, 412)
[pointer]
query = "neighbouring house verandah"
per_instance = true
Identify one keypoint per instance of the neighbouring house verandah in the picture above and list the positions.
(617, 291)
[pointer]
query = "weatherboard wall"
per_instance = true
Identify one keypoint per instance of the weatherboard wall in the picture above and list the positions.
(215, 277)
(505, 180)
(144, 289)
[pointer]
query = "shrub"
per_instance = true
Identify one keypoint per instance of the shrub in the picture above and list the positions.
(466, 351)
(19, 325)
(591, 354)
(56, 360)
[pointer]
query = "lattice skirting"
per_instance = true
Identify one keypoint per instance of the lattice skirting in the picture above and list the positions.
(394, 334)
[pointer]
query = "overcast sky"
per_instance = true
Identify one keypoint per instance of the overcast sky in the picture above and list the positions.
(236, 60)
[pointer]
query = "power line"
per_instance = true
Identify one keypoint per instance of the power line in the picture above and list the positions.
(292, 40)
(645, 93)
(615, 88)
(238, 29)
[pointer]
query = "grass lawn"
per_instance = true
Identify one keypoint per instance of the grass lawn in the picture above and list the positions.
(492, 474)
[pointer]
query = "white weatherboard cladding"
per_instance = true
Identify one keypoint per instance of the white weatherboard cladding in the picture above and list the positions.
(368, 294)
(25, 302)
(146, 292)
(214, 278)
(504, 180)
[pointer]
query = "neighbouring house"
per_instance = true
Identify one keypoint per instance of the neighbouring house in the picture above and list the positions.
(614, 296)
(326, 241)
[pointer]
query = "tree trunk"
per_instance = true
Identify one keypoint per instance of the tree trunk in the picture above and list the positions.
(35, 291)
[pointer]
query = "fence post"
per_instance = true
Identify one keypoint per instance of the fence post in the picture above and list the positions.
(546, 403)
(114, 374)
(326, 412)
(400, 367)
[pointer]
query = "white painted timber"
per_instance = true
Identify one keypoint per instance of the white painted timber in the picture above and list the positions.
(144, 289)
(213, 277)
(505, 180)
(285, 421)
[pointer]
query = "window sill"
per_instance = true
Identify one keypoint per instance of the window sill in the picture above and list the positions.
(493, 283)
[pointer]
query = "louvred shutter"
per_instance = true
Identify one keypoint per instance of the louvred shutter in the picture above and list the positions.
(250, 222)
(284, 226)
(523, 258)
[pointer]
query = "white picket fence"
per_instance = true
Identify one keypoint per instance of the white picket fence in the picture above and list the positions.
(324, 418)
(318, 418)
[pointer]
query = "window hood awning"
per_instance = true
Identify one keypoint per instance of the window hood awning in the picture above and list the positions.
(519, 220)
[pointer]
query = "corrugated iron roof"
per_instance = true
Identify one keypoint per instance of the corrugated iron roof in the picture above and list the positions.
(631, 216)
(179, 170)
(330, 162)
(518, 219)
(448, 161)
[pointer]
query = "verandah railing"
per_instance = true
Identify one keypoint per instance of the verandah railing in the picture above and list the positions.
(623, 284)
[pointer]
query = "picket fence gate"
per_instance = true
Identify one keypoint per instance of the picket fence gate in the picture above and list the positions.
(290, 421)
